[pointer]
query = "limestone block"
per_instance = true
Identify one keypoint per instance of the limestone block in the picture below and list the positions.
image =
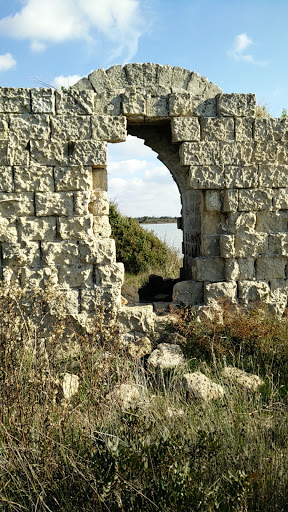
(45, 152)
(8, 230)
(278, 244)
(83, 85)
(43, 101)
(208, 269)
(278, 296)
(150, 75)
(137, 318)
(71, 127)
(272, 222)
(210, 245)
(4, 130)
(15, 100)
(76, 276)
(211, 223)
(253, 291)
(73, 178)
(247, 381)
(231, 270)
(185, 129)
(76, 228)
(110, 296)
(164, 77)
(206, 177)
(71, 302)
(75, 101)
(200, 154)
(269, 129)
(215, 291)
(206, 108)
(138, 346)
(166, 356)
(100, 178)
(18, 150)
(117, 77)
(188, 292)
(240, 223)
(109, 274)
(33, 178)
(109, 128)
(134, 104)
(101, 251)
(108, 103)
(212, 201)
(70, 385)
(6, 179)
(251, 245)
(255, 199)
(270, 268)
(101, 226)
(16, 204)
(180, 104)
(88, 153)
(244, 129)
(59, 253)
(240, 269)
(28, 126)
(217, 129)
(98, 204)
(230, 200)
(54, 203)
(280, 199)
(268, 152)
(38, 278)
(33, 228)
(157, 107)
(273, 175)
(20, 254)
(99, 80)
(7, 152)
(227, 246)
(237, 105)
(236, 153)
(201, 387)
(180, 78)
(127, 396)
(245, 176)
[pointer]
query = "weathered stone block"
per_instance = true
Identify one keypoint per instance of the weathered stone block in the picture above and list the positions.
(267, 152)
(92, 299)
(97, 251)
(20, 254)
(8, 230)
(241, 176)
(210, 246)
(108, 103)
(71, 127)
(34, 278)
(278, 296)
(208, 269)
(134, 104)
(87, 153)
(278, 244)
(271, 130)
(251, 245)
(240, 223)
(16, 205)
(185, 129)
(100, 178)
(247, 269)
(76, 228)
(15, 100)
(4, 130)
(237, 105)
(157, 107)
(206, 107)
(280, 199)
(231, 270)
(211, 223)
(206, 177)
(99, 80)
(216, 291)
(230, 200)
(188, 292)
(73, 178)
(255, 199)
(76, 276)
(43, 101)
(6, 156)
(29, 126)
(6, 179)
(212, 201)
(98, 204)
(32, 228)
(244, 129)
(227, 246)
(54, 203)
(59, 253)
(273, 175)
(109, 128)
(101, 226)
(180, 104)
(81, 202)
(217, 129)
(252, 291)
(272, 222)
(33, 179)
(18, 150)
(137, 318)
(46, 152)
(75, 101)
(273, 268)
(109, 274)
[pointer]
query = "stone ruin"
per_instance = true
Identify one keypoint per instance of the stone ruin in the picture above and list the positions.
(230, 167)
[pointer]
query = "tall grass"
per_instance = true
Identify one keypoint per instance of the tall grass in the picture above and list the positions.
(167, 452)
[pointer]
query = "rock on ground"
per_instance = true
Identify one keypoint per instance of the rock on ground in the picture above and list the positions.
(202, 387)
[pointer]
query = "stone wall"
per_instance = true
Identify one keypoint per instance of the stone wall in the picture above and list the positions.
(230, 167)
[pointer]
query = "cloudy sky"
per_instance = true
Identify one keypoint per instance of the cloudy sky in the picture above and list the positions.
(241, 45)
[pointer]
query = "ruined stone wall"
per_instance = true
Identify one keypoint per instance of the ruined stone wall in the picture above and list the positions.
(230, 167)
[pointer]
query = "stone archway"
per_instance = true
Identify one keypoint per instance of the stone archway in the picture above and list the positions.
(230, 168)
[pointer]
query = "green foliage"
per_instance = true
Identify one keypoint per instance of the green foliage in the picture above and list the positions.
(137, 248)
(284, 113)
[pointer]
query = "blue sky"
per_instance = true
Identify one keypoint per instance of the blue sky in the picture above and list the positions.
(240, 45)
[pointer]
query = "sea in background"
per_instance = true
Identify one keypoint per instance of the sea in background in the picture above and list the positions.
(169, 233)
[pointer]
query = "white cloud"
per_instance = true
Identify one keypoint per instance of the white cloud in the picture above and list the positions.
(65, 81)
(7, 62)
(241, 43)
(55, 21)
